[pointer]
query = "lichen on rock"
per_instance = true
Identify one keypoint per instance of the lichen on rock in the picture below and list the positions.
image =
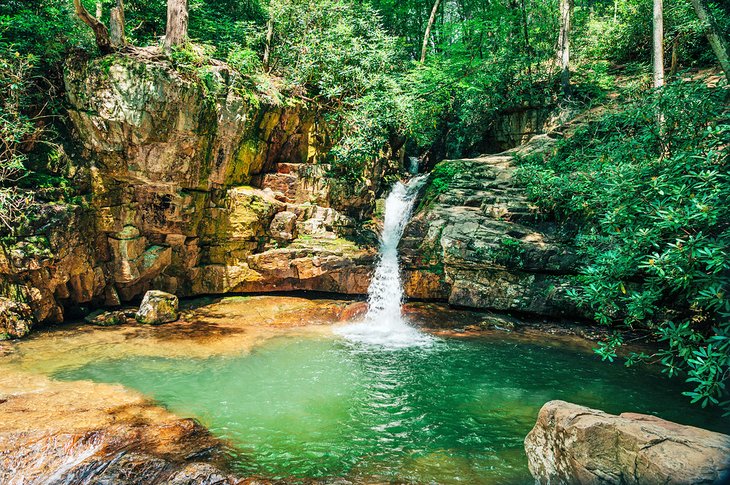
(158, 307)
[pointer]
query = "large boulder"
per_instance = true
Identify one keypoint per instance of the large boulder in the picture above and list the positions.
(475, 241)
(16, 319)
(158, 307)
(572, 444)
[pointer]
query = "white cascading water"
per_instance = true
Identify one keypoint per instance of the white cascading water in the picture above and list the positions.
(384, 324)
(413, 163)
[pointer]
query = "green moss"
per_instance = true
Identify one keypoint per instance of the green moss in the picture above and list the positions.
(439, 182)
(437, 268)
(509, 253)
(105, 64)
(239, 172)
(105, 319)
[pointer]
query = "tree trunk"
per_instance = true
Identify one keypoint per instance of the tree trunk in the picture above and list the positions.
(428, 29)
(675, 57)
(658, 43)
(99, 11)
(117, 25)
(712, 31)
(101, 33)
(566, 8)
(526, 32)
(269, 38)
(658, 53)
(177, 23)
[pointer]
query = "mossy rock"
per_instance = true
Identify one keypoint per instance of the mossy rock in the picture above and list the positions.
(16, 319)
(106, 319)
(158, 307)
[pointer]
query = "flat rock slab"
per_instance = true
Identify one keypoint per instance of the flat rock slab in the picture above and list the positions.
(572, 444)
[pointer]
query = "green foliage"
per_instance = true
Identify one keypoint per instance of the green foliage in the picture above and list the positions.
(244, 60)
(225, 24)
(469, 78)
(621, 31)
(439, 182)
(334, 50)
(35, 37)
(45, 29)
(508, 253)
(196, 60)
(363, 131)
(648, 201)
(15, 129)
(336, 55)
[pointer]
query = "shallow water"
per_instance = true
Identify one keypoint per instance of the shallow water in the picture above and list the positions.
(454, 412)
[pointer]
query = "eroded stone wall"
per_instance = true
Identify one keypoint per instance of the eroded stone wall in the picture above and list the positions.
(196, 186)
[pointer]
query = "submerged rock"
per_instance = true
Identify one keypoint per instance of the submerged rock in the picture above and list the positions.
(16, 319)
(158, 307)
(106, 319)
(111, 435)
(572, 444)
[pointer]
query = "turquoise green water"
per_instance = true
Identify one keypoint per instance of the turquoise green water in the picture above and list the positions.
(456, 412)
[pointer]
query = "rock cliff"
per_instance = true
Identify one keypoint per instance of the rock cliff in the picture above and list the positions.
(194, 185)
(475, 241)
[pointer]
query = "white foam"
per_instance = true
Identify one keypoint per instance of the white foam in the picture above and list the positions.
(384, 323)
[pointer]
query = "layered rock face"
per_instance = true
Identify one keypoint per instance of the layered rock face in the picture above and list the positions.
(54, 263)
(517, 126)
(572, 444)
(195, 186)
(475, 242)
(15, 319)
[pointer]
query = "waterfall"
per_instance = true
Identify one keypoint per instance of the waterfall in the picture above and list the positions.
(413, 163)
(384, 324)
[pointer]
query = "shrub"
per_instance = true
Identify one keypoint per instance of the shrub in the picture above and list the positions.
(16, 128)
(649, 206)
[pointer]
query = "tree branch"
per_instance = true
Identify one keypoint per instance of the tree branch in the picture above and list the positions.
(103, 41)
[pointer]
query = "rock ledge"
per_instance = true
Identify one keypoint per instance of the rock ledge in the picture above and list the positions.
(572, 444)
